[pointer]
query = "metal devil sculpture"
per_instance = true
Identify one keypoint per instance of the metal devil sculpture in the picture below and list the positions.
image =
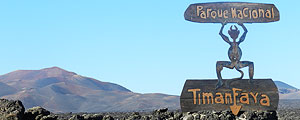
(234, 54)
(236, 94)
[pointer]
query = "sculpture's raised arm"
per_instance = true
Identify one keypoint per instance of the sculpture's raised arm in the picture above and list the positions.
(225, 38)
(242, 38)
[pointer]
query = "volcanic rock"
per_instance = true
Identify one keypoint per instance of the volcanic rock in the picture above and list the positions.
(36, 113)
(49, 117)
(77, 117)
(108, 117)
(92, 117)
(11, 110)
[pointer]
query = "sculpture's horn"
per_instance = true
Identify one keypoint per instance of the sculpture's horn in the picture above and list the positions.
(231, 27)
(235, 27)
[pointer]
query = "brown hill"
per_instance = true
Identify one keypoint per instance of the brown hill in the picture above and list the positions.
(59, 90)
(287, 91)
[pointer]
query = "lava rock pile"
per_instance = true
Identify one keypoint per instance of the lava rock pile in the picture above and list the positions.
(14, 110)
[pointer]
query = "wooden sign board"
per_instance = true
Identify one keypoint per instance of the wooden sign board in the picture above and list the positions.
(199, 95)
(232, 12)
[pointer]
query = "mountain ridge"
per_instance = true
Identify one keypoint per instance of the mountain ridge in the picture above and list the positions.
(282, 85)
(59, 90)
(287, 91)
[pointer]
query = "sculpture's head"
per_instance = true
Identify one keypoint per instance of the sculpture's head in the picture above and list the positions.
(234, 33)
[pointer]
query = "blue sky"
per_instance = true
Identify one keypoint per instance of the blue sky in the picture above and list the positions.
(145, 46)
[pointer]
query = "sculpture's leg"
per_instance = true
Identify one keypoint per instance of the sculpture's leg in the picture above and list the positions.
(219, 68)
(242, 74)
(251, 68)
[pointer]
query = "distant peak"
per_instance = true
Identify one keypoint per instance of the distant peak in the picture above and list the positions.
(283, 85)
(54, 68)
(53, 71)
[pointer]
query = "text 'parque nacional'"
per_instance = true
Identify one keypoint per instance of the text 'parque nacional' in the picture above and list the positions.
(232, 12)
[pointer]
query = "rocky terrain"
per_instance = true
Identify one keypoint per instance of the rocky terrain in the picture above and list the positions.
(289, 109)
(14, 110)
